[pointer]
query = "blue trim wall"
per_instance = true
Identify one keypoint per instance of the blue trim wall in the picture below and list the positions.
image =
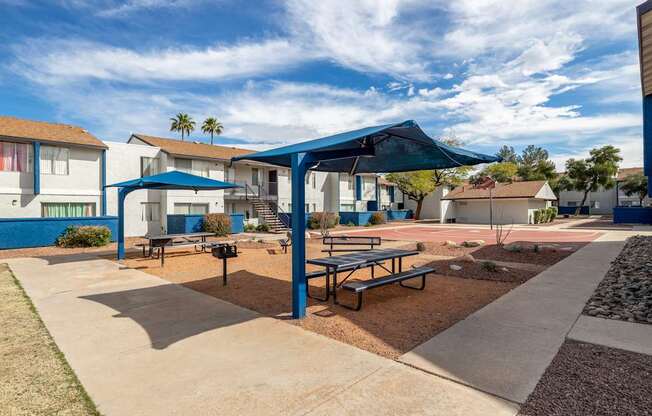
(36, 160)
(357, 218)
(401, 214)
(40, 232)
(647, 141)
(103, 182)
(632, 215)
(179, 224)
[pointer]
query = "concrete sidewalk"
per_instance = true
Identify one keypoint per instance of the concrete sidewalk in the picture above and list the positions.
(143, 346)
(505, 347)
(613, 333)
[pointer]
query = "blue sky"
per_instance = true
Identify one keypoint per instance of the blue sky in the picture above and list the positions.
(563, 75)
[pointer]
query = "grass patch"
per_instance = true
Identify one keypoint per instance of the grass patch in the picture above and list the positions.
(35, 378)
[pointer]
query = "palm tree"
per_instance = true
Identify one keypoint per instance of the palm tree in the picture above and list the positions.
(212, 126)
(182, 123)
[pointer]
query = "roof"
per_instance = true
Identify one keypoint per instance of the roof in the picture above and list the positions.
(528, 189)
(623, 173)
(397, 147)
(20, 128)
(191, 149)
(174, 180)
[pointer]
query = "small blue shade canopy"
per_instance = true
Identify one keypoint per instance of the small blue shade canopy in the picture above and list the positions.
(398, 147)
(174, 180)
(162, 181)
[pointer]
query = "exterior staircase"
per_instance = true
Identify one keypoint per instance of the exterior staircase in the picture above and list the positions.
(270, 215)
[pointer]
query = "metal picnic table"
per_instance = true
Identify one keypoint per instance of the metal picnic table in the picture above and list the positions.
(354, 261)
(176, 240)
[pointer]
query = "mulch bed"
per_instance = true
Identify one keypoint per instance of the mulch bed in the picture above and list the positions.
(591, 380)
(626, 291)
(493, 252)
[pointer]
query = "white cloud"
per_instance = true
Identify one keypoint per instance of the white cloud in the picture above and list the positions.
(631, 150)
(132, 6)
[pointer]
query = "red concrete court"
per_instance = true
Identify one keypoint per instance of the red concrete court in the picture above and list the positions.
(461, 234)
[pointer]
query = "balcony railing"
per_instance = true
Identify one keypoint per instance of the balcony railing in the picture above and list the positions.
(263, 190)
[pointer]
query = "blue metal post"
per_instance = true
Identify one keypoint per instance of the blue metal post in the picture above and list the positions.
(37, 167)
(647, 141)
(377, 192)
(299, 170)
(103, 182)
(122, 194)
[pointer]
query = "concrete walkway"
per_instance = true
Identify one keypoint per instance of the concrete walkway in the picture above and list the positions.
(505, 347)
(143, 346)
(613, 333)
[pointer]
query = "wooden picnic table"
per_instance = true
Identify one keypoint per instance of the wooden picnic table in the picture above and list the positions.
(352, 262)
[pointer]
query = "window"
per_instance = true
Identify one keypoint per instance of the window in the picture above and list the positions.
(307, 177)
(571, 203)
(15, 157)
(149, 166)
(314, 181)
(347, 207)
(201, 168)
(183, 165)
(307, 207)
(54, 160)
(67, 209)
(150, 211)
(289, 207)
(349, 181)
(229, 174)
(254, 176)
(314, 207)
(190, 209)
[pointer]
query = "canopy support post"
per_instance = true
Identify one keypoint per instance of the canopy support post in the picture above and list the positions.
(122, 194)
(299, 169)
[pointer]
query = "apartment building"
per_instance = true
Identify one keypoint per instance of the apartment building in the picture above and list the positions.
(50, 170)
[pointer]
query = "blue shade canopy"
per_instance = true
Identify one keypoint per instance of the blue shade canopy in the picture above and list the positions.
(396, 147)
(174, 180)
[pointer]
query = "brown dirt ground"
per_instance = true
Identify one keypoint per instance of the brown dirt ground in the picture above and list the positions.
(493, 252)
(393, 320)
(592, 380)
(35, 378)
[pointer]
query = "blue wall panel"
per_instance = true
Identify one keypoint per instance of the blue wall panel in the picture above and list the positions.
(571, 210)
(402, 214)
(40, 232)
(632, 215)
(357, 218)
(181, 224)
(647, 141)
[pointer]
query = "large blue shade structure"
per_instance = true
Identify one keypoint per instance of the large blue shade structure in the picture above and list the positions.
(398, 147)
(162, 181)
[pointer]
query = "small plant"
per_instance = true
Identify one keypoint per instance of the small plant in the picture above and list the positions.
(85, 236)
(377, 218)
(421, 246)
(249, 228)
(489, 266)
(350, 224)
(219, 224)
(262, 228)
(501, 234)
(323, 220)
(552, 213)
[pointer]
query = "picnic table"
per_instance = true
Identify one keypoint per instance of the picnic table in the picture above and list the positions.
(353, 262)
(175, 240)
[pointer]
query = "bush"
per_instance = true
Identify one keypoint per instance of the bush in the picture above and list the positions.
(377, 218)
(249, 228)
(350, 224)
(262, 228)
(219, 224)
(489, 266)
(85, 236)
(553, 211)
(421, 246)
(328, 219)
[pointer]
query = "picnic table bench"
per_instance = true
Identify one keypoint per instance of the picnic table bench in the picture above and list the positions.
(343, 243)
(355, 261)
(158, 243)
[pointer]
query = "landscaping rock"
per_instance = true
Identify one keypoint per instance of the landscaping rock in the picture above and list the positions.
(626, 291)
(516, 248)
(421, 246)
(466, 258)
(473, 243)
(455, 267)
(451, 244)
(503, 269)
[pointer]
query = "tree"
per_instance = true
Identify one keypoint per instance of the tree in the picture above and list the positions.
(588, 175)
(635, 185)
(533, 164)
(508, 154)
(450, 176)
(212, 126)
(182, 123)
(416, 185)
(500, 172)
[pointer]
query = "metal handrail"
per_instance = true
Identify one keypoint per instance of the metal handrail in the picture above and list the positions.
(265, 197)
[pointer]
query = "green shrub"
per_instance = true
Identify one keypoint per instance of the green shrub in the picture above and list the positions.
(329, 219)
(350, 224)
(262, 228)
(219, 224)
(249, 228)
(421, 246)
(377, 218)
(489, 266)
(552, 213)
(85, 236)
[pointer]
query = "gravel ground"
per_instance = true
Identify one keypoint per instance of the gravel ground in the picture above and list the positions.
(591, 380)
(476, 271)
(626, 291)
(493, 252)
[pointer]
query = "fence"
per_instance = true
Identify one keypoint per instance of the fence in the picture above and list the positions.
(40, 232)
(181, 224)
(632, 215)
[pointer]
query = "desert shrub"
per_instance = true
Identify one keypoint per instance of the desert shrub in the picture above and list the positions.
(350, 224)
(552, 213)
(249, 228)
(489, 266)
(377, 218)
(421, 246)
(84, 236)
(320, 220)
(219, 224)
(262, 228)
